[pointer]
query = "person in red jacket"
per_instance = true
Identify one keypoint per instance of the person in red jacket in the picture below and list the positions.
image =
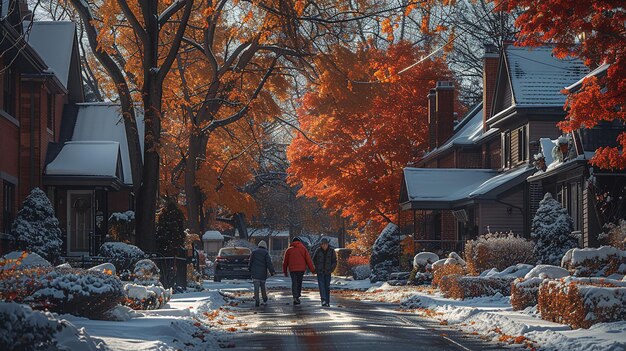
(297, 259)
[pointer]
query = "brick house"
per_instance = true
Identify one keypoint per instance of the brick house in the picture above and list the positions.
(50, 138)
(474, 178)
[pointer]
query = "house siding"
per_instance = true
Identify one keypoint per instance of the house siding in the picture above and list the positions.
(494, 214)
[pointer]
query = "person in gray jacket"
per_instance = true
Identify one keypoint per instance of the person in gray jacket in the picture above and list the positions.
(260, 263)
(325, 261)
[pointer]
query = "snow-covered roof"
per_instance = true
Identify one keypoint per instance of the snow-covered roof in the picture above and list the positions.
(448, 185)
(86, 158)
(212, 235)
(265, 232)
(53, 41)
(103, 122)
(596, 72)
(537, 77)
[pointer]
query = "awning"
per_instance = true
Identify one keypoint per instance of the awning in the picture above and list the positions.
(86, 163)
(448, 188)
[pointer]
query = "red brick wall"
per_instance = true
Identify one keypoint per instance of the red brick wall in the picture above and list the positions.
(448, 226)
(490, 72)
(119, 201)
(26, 183)
(445, 112)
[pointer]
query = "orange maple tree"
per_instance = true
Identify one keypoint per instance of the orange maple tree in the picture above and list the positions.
(359, 131)
(595, 32)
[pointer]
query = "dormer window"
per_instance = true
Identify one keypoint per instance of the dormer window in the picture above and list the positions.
(521, 144)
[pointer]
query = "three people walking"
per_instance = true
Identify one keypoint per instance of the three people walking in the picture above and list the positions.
(296, 261)
(260, 264)
(325, 261)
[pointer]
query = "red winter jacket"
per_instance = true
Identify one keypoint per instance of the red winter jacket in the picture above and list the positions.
(297, 258)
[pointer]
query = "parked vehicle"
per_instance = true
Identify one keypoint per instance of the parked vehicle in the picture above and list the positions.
(232, 263)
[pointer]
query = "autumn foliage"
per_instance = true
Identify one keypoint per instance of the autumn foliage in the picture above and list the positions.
(594, 32)
(361, 124)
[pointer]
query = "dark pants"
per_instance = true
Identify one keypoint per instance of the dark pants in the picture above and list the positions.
(259, 284)
(296, 284)
(323, 281)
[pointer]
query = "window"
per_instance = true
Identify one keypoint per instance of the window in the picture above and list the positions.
(50, 109)
(506, 142)
(521, 144)
(8, 201)
(8, 92)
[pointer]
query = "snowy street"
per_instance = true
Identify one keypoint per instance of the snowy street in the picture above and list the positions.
(346, 325)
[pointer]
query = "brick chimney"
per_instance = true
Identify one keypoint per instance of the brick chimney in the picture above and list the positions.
(432, 120)
(444, 103)
(491, 59)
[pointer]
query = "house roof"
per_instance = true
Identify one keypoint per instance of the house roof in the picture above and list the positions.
(212, 235)
(441, 188)
(53, 41)
(537, 77)
(87, 158)
(103, 122)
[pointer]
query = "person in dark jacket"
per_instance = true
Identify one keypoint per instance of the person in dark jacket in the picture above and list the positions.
(325, 261)
(296, 261)
(260, 263)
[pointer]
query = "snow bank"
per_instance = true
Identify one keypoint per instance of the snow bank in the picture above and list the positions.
(516, 271)
(547, 271)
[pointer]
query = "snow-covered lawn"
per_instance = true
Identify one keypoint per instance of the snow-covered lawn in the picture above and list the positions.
(493, 318)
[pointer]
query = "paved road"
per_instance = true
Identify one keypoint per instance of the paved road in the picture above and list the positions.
(347, 325)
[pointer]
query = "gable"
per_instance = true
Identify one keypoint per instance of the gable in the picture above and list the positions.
(503, 96)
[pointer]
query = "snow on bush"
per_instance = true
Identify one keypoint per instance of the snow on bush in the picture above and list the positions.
(462, 286)
(18, 280)
(22, 260)
(497, 250)
(121, 226)
(123, 256)
(107, 268)
(524, 290)
(21, 328)
(79, 292)
(385, 253)
(600, 262)
(451, 269)
(615, 234)
(419, 278)
(361, 272)
(552, 231)
(141, 297)
(423, 261)
(146, 271)
(582, 302)
(516, 271)
(36, 228)
(545, 271)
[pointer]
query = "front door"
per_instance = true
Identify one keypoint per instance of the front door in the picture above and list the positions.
(80, 221)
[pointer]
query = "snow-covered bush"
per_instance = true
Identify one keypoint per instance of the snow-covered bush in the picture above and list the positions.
(123, 256)
(21, 328)
(17, 284)
(22, 260)
(419, 278)
(361, 272)
(552, 231)
(423, 261)
(524, 290)
(79, 292)
(582, 302)
(451, 269)
(107, 268)
(497, 250)
(36, 228)
(385, 253)
(595, 262)
(463, 286)
(170, 229)
(615, 234)
(122, 227)
(142, 297)
(147, 272)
